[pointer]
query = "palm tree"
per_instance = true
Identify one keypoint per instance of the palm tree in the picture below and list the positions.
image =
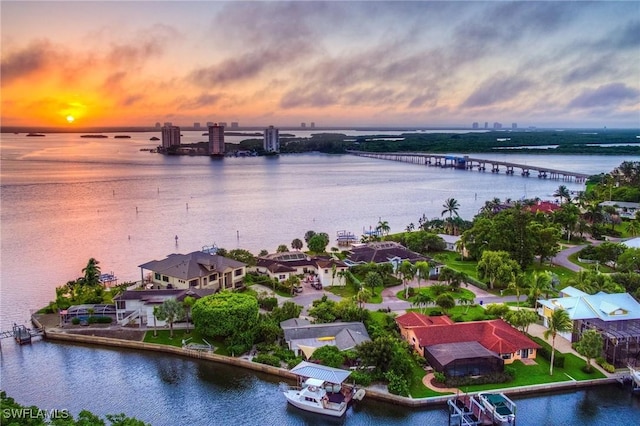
(423, 300)
(188, 304)
(559, 322)
(422, 271)
(518, 284)
(383, 227)
(633, 228)
(92, 272)
(170, 311)
(362, 297)
(451, 206)
(539, 284)
(407, 272)
(563, 193)
(156, 313)
(410, 227)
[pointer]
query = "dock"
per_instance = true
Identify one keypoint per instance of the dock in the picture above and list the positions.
(21, 334)
(346, 238)
(480, 164)
(467, 410)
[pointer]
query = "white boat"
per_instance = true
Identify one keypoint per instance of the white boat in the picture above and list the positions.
(323, 392)
(635, 379)
(500, 408)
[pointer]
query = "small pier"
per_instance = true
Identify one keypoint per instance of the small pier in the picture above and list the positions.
(480, 164)
(467, 410)
(21, 334)
(346, 238)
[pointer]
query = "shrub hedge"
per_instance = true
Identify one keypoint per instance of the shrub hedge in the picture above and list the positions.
(545, 352)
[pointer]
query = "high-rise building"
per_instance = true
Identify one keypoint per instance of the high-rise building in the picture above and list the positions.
(474, 125)
(486, 124)
(271, 139)
(303, 125)
(234, 125)
(222, 123)
(158, 125)
(196, 125)
(209, 123)
(216, 140)
(313, 125)
(514, 125)
(170, 135)
(497, 125)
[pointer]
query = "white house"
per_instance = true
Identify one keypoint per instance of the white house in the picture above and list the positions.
(283, 265)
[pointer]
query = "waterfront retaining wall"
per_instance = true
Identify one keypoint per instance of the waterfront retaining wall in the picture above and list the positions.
(286, 374)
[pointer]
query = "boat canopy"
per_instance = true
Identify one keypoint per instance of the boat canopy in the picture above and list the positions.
(320, 372)
(314, 382)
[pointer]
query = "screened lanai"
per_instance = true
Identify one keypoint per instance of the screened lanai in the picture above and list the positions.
(621, 339)
(463, 359)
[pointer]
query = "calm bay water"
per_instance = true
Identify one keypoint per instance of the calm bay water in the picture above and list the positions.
(65, 199)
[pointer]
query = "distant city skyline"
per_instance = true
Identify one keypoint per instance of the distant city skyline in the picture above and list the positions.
(358, 64)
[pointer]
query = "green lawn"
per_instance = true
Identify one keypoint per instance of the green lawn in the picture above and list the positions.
(349, 291)
(417, 389)
(452, 260)
(429, 290)
(458, 313)
(178, 335)
(539, 374)
(602, 268)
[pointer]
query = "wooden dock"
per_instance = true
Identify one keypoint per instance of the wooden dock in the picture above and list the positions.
(480, 164)
(21, 334)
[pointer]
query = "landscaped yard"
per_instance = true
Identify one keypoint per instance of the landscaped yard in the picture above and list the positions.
(458, 313)
(452, 260)
(539, 374)
(179, 335)
(349, 291)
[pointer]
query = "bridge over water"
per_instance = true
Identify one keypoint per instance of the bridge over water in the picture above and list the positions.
(481, 164)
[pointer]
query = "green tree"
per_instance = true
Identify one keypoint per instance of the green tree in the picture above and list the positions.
(362, 297)
(187, 303)
(282, 248)
(407, 272)
(450, 206)
(539, 284)
(318, 243)
(590, 346)
(558, 322)
(497, 267)
(171, 311)
(308, 235)
(519, 284)
(383, 227)
(243, 256)
(296, 244)
(545, 239)
(629, 260)
(223, 314)
(422, 271)
(445, 302)
(373, 280)
(92, 272)
(422, 300)
(156, 314)
(563, 193)
(329, 355)
(521, 319)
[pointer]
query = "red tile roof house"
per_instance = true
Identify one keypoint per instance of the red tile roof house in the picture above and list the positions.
(283, 265)
(466, 348)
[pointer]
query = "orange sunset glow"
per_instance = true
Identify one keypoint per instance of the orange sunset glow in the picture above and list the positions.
(428, 63)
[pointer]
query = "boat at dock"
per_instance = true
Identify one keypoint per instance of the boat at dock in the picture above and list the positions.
(501, 409)
(321, 390)
(635, 379)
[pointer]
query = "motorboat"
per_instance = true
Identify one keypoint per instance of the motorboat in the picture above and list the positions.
(635, 379)
(319, 394)
(499, 408)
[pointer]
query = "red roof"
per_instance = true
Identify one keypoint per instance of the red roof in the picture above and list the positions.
(495, 335)
(414, 319)
(544, 207)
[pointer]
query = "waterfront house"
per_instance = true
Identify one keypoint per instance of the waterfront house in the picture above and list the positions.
(450, 241)
(303, 337)
(457, 349)
(615, 316)
(623, 209)
(136, 306)
(388, 251)
(281, 266)
(195, 270)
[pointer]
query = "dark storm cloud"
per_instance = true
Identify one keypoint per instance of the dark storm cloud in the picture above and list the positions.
(32, 58)
(605, 96)
(598, 67)
(131, 100)
(497, 89)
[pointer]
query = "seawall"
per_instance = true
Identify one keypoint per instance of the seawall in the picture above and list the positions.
(372, 393)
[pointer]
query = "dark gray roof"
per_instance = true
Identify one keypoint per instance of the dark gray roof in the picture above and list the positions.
(315, 331)
(321, 372)
(381, 252)
(153, 296)
(294, 322)
(446, 353)
(193, 265)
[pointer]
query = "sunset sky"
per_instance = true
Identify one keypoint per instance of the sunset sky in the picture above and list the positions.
(112, 63)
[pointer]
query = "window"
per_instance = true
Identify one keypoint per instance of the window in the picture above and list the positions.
(282, 276)
(213, 277)
(165, 278)
(120, 304)
(506, 356)
(157, 276)
(237, 272)
(193, 283)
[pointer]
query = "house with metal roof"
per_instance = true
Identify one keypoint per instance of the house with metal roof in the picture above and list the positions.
(302, 336)
(477, 347)
(615, 316)
(194, 270)
(281, 266)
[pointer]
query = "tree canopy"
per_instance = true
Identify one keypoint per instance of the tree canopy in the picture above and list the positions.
(223, 314)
